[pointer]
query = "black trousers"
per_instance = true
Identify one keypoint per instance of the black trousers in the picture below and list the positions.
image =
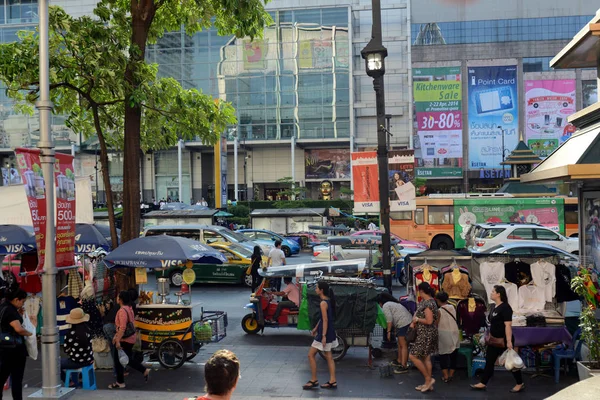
(133, 363)
(491, 355)
(256, 281)
(448, 361)
(13, 364)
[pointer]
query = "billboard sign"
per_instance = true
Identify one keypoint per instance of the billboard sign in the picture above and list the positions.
(327, 164)
(437, 94)
(401, 172)
(493, 115)
(366, 184)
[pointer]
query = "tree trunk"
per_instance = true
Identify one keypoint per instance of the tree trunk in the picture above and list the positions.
(106, 179)
(142, 15)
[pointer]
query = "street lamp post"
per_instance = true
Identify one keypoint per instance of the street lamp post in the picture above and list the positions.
(374, 55)
(503, 154)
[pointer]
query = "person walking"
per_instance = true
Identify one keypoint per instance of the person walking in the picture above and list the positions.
(325, 338)
(426, 343)
(125, 339)
(277, 259)
(399, 317)
(372, 226)
(448, 337)
(221, 374)
(78, 343)
(500, 320)
(255, 264)
(12, 360)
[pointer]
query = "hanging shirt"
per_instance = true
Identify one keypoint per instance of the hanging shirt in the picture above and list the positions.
(456, 284)
(64, 305)
(518, 273)
(512, 292)
(471, 314)
(492, 273)
(429, 275)
(544, 275)
(564, 292)
(531, 298)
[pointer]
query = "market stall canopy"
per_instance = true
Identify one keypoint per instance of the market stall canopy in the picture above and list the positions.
(162, 252)
(16, 239)
(105, 231)
(88, 239)
(288, 212)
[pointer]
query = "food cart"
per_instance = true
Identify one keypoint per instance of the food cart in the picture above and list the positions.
(168, 329)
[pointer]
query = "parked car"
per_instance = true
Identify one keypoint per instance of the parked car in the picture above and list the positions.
(206, 234)
(354, 250)
(482, 237)
(407, 244)
(268, 238)
(233, 271)
(527, 248)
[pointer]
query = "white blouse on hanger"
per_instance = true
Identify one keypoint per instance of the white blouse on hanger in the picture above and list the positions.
(512, 293)
(544, 276)
(532, 298)
(492, 273)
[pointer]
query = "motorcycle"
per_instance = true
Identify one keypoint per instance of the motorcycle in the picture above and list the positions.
(262, 310)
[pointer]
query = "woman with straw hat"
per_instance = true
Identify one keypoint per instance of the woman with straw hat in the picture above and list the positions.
(78, 343)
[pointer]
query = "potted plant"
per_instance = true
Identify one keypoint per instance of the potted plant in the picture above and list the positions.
(590, 326)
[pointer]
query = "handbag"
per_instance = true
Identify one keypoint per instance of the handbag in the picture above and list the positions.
(411, 335)
(129, 327)
(8, 340)
(493, 341)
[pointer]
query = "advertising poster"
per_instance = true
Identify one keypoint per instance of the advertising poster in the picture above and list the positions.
(254, 53)
(590, 92)
(401, 171)
(327, 164)
(548, 103)
(65, 210)
(493, 110)
(543, 211)
(592, 229)
(366, 184)
(438, 103)
(28, 162)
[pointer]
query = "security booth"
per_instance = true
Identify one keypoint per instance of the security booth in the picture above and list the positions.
(577, 160)
(287, 220)
(179, 217)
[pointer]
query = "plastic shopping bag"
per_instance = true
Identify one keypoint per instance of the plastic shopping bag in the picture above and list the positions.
(513, 361)
(123, 358)
(502, 358)
(30, 341)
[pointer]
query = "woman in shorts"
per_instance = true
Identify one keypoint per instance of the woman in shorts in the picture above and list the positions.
(398, 319)
(325, 338)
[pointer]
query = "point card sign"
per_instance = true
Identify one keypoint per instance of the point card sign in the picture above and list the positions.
(437, 96)
(548, 103)
(493, 109)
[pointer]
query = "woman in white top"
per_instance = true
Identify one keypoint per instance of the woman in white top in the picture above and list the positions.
(448, 337)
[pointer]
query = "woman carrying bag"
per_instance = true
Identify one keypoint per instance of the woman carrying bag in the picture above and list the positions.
(426, 343)
(13, 352)
(255, 261)
(498, 339)
(124, 340)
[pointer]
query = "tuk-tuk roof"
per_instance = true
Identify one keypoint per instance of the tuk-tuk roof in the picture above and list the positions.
(362, 239)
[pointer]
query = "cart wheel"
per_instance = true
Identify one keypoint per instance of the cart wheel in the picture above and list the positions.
(171, 353)
(250, 324)
(376, 352)
(247, 280)
(338, 352)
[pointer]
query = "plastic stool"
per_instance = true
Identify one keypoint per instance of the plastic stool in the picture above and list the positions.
(467, 352)
(88, 376)
(478, 363)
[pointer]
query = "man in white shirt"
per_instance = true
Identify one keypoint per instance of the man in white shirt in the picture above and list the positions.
(292, 293)
(276, 259)
(372, 226)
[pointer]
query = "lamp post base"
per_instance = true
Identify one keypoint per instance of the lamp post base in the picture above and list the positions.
(61, 393)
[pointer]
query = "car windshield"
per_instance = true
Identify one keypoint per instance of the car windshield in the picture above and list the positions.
(241, 250)
(233, 236)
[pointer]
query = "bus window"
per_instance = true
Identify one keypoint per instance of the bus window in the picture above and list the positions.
(440, 215)
(401, 215)
(571, 214)
(420, 216)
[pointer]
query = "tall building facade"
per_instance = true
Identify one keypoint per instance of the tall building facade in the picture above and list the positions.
(301, 93)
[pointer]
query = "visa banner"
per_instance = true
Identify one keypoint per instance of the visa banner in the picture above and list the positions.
(493, 113)
(366, 184)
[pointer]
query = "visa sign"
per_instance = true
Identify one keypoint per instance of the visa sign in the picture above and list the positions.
(85, 248)
(13, 248)
(170, 263)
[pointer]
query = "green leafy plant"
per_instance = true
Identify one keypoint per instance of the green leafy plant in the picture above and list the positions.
(590, 326)
(293, 191)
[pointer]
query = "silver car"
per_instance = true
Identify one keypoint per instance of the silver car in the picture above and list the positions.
(525, 248)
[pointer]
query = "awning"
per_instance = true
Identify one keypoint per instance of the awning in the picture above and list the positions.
(580, 52)
(576, 159)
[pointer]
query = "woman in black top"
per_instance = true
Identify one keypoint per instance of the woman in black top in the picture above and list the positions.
(500, 327)
(256, 260)
(12, 361)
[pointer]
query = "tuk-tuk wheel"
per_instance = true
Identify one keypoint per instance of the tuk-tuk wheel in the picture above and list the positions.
(250, 324)
(338, 352)
(376, 352)
(171, 353)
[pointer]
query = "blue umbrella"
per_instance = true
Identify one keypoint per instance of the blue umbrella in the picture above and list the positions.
(105, 231)
(88, 238)
(16, 239)
(162, 252)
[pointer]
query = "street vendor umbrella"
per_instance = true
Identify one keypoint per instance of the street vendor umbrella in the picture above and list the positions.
(105, 231)
(223, 214)
(88, 239)
(16, 239)
(162, 252)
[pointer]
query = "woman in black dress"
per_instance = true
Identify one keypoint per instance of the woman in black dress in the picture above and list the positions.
(255, 266)
(500, 327)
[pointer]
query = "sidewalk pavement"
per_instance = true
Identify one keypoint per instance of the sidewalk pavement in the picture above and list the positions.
(280, 371)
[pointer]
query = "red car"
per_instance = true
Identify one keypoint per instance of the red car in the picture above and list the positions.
(408, 244)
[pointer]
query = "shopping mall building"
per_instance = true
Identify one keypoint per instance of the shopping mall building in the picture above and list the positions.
(479, 73)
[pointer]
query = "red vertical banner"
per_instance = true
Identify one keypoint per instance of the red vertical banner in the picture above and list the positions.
(366, 182)
(65, 210)
(28, 162)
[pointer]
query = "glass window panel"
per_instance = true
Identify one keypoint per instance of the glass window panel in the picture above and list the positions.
(308, 16)
(521, 234)
(335, 16)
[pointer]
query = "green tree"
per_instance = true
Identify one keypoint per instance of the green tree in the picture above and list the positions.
(145, 21)
(293, 191)
(87, 64)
